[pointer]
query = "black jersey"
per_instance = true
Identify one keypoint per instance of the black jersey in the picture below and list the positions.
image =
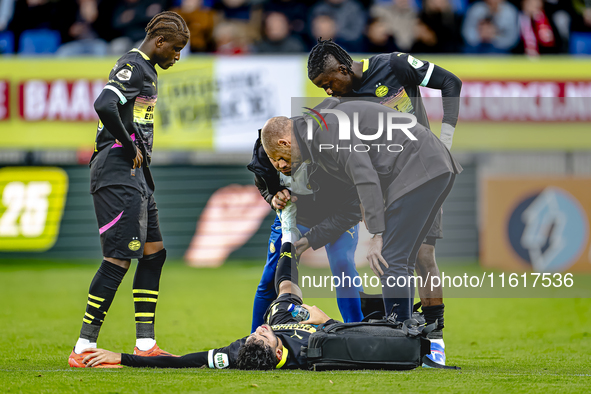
(394, 78)
(292, 334)
(134, 80)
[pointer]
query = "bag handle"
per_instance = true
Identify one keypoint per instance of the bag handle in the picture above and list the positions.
(338, 326)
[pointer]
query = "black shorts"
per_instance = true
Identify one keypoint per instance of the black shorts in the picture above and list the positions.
(126, 220)
(277, 312)
(435, 232)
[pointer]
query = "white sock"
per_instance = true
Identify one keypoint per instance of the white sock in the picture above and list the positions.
(82, 344)
(438, 341)
(145, 343)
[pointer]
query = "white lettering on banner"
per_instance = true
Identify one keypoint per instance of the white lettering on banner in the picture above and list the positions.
(521, 101)
(250, 92)
(80, 99)
(34, 99)
(4, 100)
(59, 100)
(29, 202)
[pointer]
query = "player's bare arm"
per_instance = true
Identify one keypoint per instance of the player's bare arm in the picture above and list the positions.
(317, 316)
(374, 255)
(100, 356)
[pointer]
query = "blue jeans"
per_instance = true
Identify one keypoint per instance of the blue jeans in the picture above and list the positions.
(341, 257)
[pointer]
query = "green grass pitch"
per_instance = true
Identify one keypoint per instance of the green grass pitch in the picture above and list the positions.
(502, 345)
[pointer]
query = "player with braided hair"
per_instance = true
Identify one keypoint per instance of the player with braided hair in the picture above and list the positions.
(169, 25)
(122, 187)
(324, 56)
(394, 80)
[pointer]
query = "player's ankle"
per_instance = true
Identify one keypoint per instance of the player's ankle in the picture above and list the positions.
(145, 344)
(82, 344)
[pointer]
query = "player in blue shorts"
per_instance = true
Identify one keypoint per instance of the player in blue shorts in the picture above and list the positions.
(328, 216)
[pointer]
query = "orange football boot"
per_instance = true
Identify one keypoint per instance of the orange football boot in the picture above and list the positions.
(76, 361)
(153, 352)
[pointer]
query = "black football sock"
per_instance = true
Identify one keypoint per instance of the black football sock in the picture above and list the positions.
(434, 313)
(287, 266)
(100, 296)
(146, 284)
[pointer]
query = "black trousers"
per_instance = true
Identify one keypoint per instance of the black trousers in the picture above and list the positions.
(408, 221)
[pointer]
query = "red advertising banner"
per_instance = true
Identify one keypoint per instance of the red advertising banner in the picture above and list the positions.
(62, 100)
(518, 101)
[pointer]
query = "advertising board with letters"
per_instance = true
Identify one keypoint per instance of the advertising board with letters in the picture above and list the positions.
(217, 104)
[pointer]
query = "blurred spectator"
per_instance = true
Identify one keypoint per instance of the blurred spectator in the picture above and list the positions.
(378, 37)
(86, 40)
(278, 37)
(538, 35)
(582, 15)
(295, 11)
(200, 21)
(245, 17)
(400, 19)
(6, 12)
(560, 15)
(438, 29)
(43, 14)
(350, 19)
(491, 26)
(130, 18)
(229, 39)
(322, 26)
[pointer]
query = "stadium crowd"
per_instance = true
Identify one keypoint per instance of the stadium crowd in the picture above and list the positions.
(101, 27)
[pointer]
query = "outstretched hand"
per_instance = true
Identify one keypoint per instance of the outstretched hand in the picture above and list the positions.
(301, 245)
(374, 255)
(99, 356)
(280, 199)
(316, 315)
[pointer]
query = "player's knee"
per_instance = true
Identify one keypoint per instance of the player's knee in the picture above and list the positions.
(151, 248)
(121, 263)
(342, 265)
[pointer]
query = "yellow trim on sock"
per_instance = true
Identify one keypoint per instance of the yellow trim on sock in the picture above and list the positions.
(145, 291)
(142, 299)
(86, 321)
(96, 298)
(144, 314)
(93, 304)
(89, 315)
(147, 322)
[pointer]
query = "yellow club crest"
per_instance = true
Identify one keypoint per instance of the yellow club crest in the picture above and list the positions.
(381, 91)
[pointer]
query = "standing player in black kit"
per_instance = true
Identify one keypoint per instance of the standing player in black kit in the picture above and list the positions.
(394, 80)
(122, 186)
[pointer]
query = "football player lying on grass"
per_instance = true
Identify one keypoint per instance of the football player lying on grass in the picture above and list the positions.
(276, 344)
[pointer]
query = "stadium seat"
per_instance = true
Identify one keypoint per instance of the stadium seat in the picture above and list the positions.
(42, 41)
(6, 42)
(580, 43)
